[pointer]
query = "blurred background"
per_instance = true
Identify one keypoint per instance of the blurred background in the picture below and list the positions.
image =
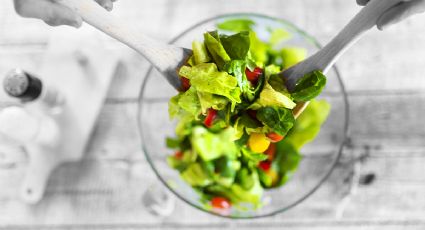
(378, 184)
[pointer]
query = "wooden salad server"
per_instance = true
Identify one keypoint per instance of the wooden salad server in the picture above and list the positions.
(325, 58)
(166, 58)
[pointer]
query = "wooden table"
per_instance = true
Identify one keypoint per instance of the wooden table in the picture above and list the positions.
(104, 190)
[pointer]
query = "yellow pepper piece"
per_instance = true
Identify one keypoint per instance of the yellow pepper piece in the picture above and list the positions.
(258, 142)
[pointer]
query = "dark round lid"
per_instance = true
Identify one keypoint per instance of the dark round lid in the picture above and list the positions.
(22, 85)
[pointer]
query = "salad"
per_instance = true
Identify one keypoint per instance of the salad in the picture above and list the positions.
(236, 134)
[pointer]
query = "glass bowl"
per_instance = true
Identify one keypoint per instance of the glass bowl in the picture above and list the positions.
(319, 156)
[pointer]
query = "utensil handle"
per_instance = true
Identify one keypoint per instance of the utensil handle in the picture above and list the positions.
(352, 32)
(161, 55)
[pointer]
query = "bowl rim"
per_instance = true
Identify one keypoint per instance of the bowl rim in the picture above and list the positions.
(344, 94)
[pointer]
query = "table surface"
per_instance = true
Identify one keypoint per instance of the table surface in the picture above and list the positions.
(384, 76)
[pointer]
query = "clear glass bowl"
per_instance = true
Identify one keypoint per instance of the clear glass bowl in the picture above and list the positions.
(319, 156)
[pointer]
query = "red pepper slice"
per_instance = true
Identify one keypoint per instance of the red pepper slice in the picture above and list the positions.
(211, 115)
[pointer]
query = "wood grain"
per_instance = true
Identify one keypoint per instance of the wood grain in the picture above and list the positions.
(104, 191)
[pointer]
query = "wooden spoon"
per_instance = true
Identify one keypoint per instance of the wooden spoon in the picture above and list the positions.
(325, 58)
(166, 58)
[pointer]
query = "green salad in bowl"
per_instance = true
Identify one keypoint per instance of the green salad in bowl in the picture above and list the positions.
(234, 137)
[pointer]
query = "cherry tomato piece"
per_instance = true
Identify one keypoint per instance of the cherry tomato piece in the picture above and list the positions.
(274, 137)
(265, 165)
(185, 83)
(271, 151)
(178, 155)
(254, 75)
(220, 203)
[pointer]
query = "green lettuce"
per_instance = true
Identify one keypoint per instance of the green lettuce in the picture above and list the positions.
(292, 55)
(236, 25)
(309, 86)
(209, 100)
(250, 191)
(211, 146)
(287, 159)
(236, 45)
(278, 36)
(187, 102)
(280, 120)
(225, 170)
(258, 50)
(216, 49)
(308, 123)
(206, 78)
(196, 175)
(271, 97)
(200, 53)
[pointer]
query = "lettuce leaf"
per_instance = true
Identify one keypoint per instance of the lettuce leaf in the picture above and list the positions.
(236, 25)
(308, 124)
(200, 54)
(185, 102)
(216, 49)
(271, 97)
(196, 175)
(225, 170)
(189, 102)
(278, 36)
(280, 120)
(209, 100)
(250, 191)
(253, 156)
(206, 78)
(292, 55)
(286, 161)
(211, 146)
(258, 50)
(309, 86)
(236, 45)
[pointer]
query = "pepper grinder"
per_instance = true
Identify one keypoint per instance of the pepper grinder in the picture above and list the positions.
(32, 91)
